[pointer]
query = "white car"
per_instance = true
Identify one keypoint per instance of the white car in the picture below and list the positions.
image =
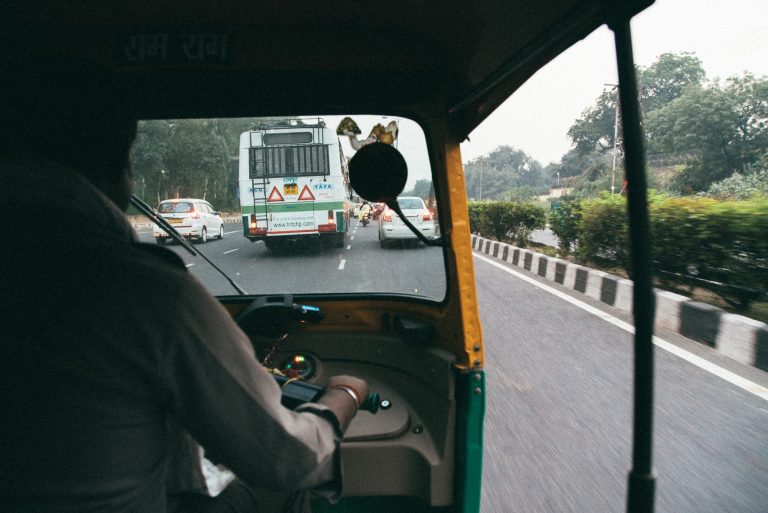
(192, 218)
(391, 227)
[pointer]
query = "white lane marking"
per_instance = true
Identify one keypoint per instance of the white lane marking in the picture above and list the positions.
(342, 264)
(349, 247)
(352, 238)
(734, 379)
(189, 265)
(230, 251)
(235, 231)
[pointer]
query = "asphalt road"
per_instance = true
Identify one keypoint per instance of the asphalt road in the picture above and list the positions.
(360, 266)
(558, 418)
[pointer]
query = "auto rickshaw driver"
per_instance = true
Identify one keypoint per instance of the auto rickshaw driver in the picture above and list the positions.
(93, 383)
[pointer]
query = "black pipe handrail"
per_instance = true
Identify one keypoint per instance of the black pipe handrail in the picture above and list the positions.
(642, 478)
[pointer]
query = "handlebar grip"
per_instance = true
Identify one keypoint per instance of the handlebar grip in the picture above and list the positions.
(371, 403)
(300, 392)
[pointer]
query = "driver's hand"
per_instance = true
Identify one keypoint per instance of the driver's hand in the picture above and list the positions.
(358, 386)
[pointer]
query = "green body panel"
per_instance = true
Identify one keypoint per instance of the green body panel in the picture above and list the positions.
(340, 222)
(470, 415)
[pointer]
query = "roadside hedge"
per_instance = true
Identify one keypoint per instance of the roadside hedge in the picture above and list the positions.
(506, 221)
(721, 246)
(564, 223)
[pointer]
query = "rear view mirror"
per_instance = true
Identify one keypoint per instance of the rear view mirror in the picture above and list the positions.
(378, 173)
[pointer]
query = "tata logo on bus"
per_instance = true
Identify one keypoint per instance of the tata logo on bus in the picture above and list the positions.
(322, 186)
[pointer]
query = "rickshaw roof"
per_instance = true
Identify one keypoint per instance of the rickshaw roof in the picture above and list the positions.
(318, 57)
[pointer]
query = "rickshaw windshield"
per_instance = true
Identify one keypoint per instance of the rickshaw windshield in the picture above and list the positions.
(289, 221)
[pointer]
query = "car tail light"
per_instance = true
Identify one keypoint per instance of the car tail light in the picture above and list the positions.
(195, 215)
(387, 216)
(426, 215)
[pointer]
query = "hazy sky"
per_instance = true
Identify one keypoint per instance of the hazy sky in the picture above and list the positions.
(728, 36)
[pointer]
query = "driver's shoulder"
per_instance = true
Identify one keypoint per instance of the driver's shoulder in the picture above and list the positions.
(161, 254)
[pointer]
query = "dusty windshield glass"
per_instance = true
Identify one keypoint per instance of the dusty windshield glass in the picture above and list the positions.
(288, 220)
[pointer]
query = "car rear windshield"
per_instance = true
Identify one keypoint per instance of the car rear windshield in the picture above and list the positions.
(410, 203)
(177, 207)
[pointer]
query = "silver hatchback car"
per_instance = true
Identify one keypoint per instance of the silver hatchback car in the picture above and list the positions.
(192, 218)
(391, 227)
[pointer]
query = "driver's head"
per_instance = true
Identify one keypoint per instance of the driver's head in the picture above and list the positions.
(71, 112)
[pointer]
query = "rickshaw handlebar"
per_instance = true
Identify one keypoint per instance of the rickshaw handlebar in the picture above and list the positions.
(297, 392)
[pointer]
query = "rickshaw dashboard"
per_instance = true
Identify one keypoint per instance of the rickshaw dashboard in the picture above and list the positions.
(406, 447)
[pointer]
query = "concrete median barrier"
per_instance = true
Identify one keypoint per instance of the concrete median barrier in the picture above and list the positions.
(735, 336)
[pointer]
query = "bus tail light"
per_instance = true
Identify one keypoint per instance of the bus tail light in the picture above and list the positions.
(253, 227)
(330, 226)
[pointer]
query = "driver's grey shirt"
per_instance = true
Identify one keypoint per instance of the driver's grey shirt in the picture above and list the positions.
(106, 348)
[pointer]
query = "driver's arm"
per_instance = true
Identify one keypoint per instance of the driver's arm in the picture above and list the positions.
(219, 392)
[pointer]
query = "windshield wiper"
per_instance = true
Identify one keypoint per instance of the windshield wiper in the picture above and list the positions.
(148, 211)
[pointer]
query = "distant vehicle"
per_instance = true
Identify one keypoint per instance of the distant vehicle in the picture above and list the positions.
(391, 227)
(293, 184)
(378, 208)
(192, 218)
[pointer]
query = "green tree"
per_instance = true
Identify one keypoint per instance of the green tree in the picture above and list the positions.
(594, 130)
(660, 83)
(148, 156)
(197, 158)
(564, 222)
(667, 78)
(422, 189)
(722, 129)
(490, 176)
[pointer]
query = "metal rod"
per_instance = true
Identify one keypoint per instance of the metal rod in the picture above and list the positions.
(642, 479)
(144, 208)
(148, 211)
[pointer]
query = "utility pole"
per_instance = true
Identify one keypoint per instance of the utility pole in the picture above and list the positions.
(615, 137)
(481, 182)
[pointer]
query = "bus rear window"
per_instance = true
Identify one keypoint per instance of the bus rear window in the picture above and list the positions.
(287, 138)
(273, 161)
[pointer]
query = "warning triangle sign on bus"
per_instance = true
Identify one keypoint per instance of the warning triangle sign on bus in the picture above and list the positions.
(275, 195)
(306, 194)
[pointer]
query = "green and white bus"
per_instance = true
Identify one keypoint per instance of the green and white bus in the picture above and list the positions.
(294, 184)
